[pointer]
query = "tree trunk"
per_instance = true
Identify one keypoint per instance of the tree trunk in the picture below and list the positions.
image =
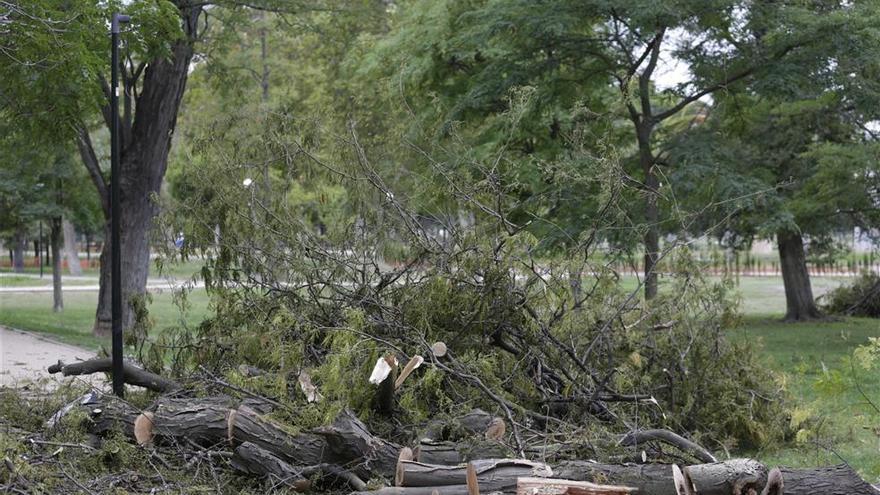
(799, 302)
(70, 248)
(652, 211)
(19, 245)
(55, 240)
(143, 161)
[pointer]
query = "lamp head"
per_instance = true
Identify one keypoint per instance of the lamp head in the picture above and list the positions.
(117, 20)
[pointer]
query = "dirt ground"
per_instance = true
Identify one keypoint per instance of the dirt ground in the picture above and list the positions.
(24, 357)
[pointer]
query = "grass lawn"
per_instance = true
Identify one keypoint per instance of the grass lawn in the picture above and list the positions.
(33, 311)
(179, 270)
(46, 281)
(839, 423)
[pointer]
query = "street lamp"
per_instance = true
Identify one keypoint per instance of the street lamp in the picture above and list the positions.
(115, 211)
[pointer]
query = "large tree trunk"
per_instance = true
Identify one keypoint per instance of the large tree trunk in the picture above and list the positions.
(55, 241)
(144, 159)
(70, 249)
(799, 302)
(19, 245)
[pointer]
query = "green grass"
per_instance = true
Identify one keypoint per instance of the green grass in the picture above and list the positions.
(179, 270)
(835, 421)
(46, 281)
(33, 311)
(812, 359)
(766, 295)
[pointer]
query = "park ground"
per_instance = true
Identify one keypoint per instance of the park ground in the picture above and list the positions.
(833, 419)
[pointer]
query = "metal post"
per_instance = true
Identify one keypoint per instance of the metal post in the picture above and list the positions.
(115, 212)
(40, 249)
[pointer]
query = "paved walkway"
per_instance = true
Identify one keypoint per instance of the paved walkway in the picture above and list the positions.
(153, 284)
(25, 356)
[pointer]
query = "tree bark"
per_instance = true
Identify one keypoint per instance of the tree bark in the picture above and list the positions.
(452, 453)
(492, 474)
(255, 460)
(831, 480)
(652, 212)
(799, 302)
(19, 245)
(718, 478)
(144, 159)
(252, 459)
(132, 374)
(348, 438)
(55, 234)
(70, 248)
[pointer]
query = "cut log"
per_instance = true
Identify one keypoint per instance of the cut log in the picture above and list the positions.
(348, 440)
(831, 480)
(131, 373)
(653, 479)
(201, 421)
(545, 486)
(495, 430)
(418, 490)
(254, 460)
(492, 474)
(439, 349)
(475, 422)
(724, 478)
(413, 363)
(143, 428)
(683, 484)
(473, 484)
(385, 374)
(719, 478)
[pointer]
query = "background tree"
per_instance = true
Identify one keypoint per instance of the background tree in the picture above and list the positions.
(471, 53)
(792, 156)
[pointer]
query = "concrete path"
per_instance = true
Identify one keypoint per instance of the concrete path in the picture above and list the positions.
(25, 356)
(152, 285)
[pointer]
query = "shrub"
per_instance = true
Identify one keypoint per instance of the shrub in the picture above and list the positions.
(860, 298)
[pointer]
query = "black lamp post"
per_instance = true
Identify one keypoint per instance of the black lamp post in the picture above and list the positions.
(115, 212)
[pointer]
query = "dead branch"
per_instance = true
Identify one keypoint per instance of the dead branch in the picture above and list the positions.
(131, 373)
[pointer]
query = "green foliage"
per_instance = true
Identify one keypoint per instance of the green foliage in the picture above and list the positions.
(861, 297)
(290, 298)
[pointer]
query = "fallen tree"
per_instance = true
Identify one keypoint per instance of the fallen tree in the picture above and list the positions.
(345, 451)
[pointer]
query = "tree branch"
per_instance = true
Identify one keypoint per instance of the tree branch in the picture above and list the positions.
(90, 160)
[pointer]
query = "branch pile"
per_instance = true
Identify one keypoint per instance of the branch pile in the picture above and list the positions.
(244, 437)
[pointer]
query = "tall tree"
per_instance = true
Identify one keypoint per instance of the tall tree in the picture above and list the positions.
(791, 156)
(568, 48)
(159, 51)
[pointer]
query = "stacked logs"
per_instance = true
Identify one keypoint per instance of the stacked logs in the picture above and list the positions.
(346, 452)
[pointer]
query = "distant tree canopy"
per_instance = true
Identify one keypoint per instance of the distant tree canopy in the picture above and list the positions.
(552, 105)
(573, 72)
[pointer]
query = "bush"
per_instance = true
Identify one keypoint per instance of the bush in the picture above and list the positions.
(860, 298)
